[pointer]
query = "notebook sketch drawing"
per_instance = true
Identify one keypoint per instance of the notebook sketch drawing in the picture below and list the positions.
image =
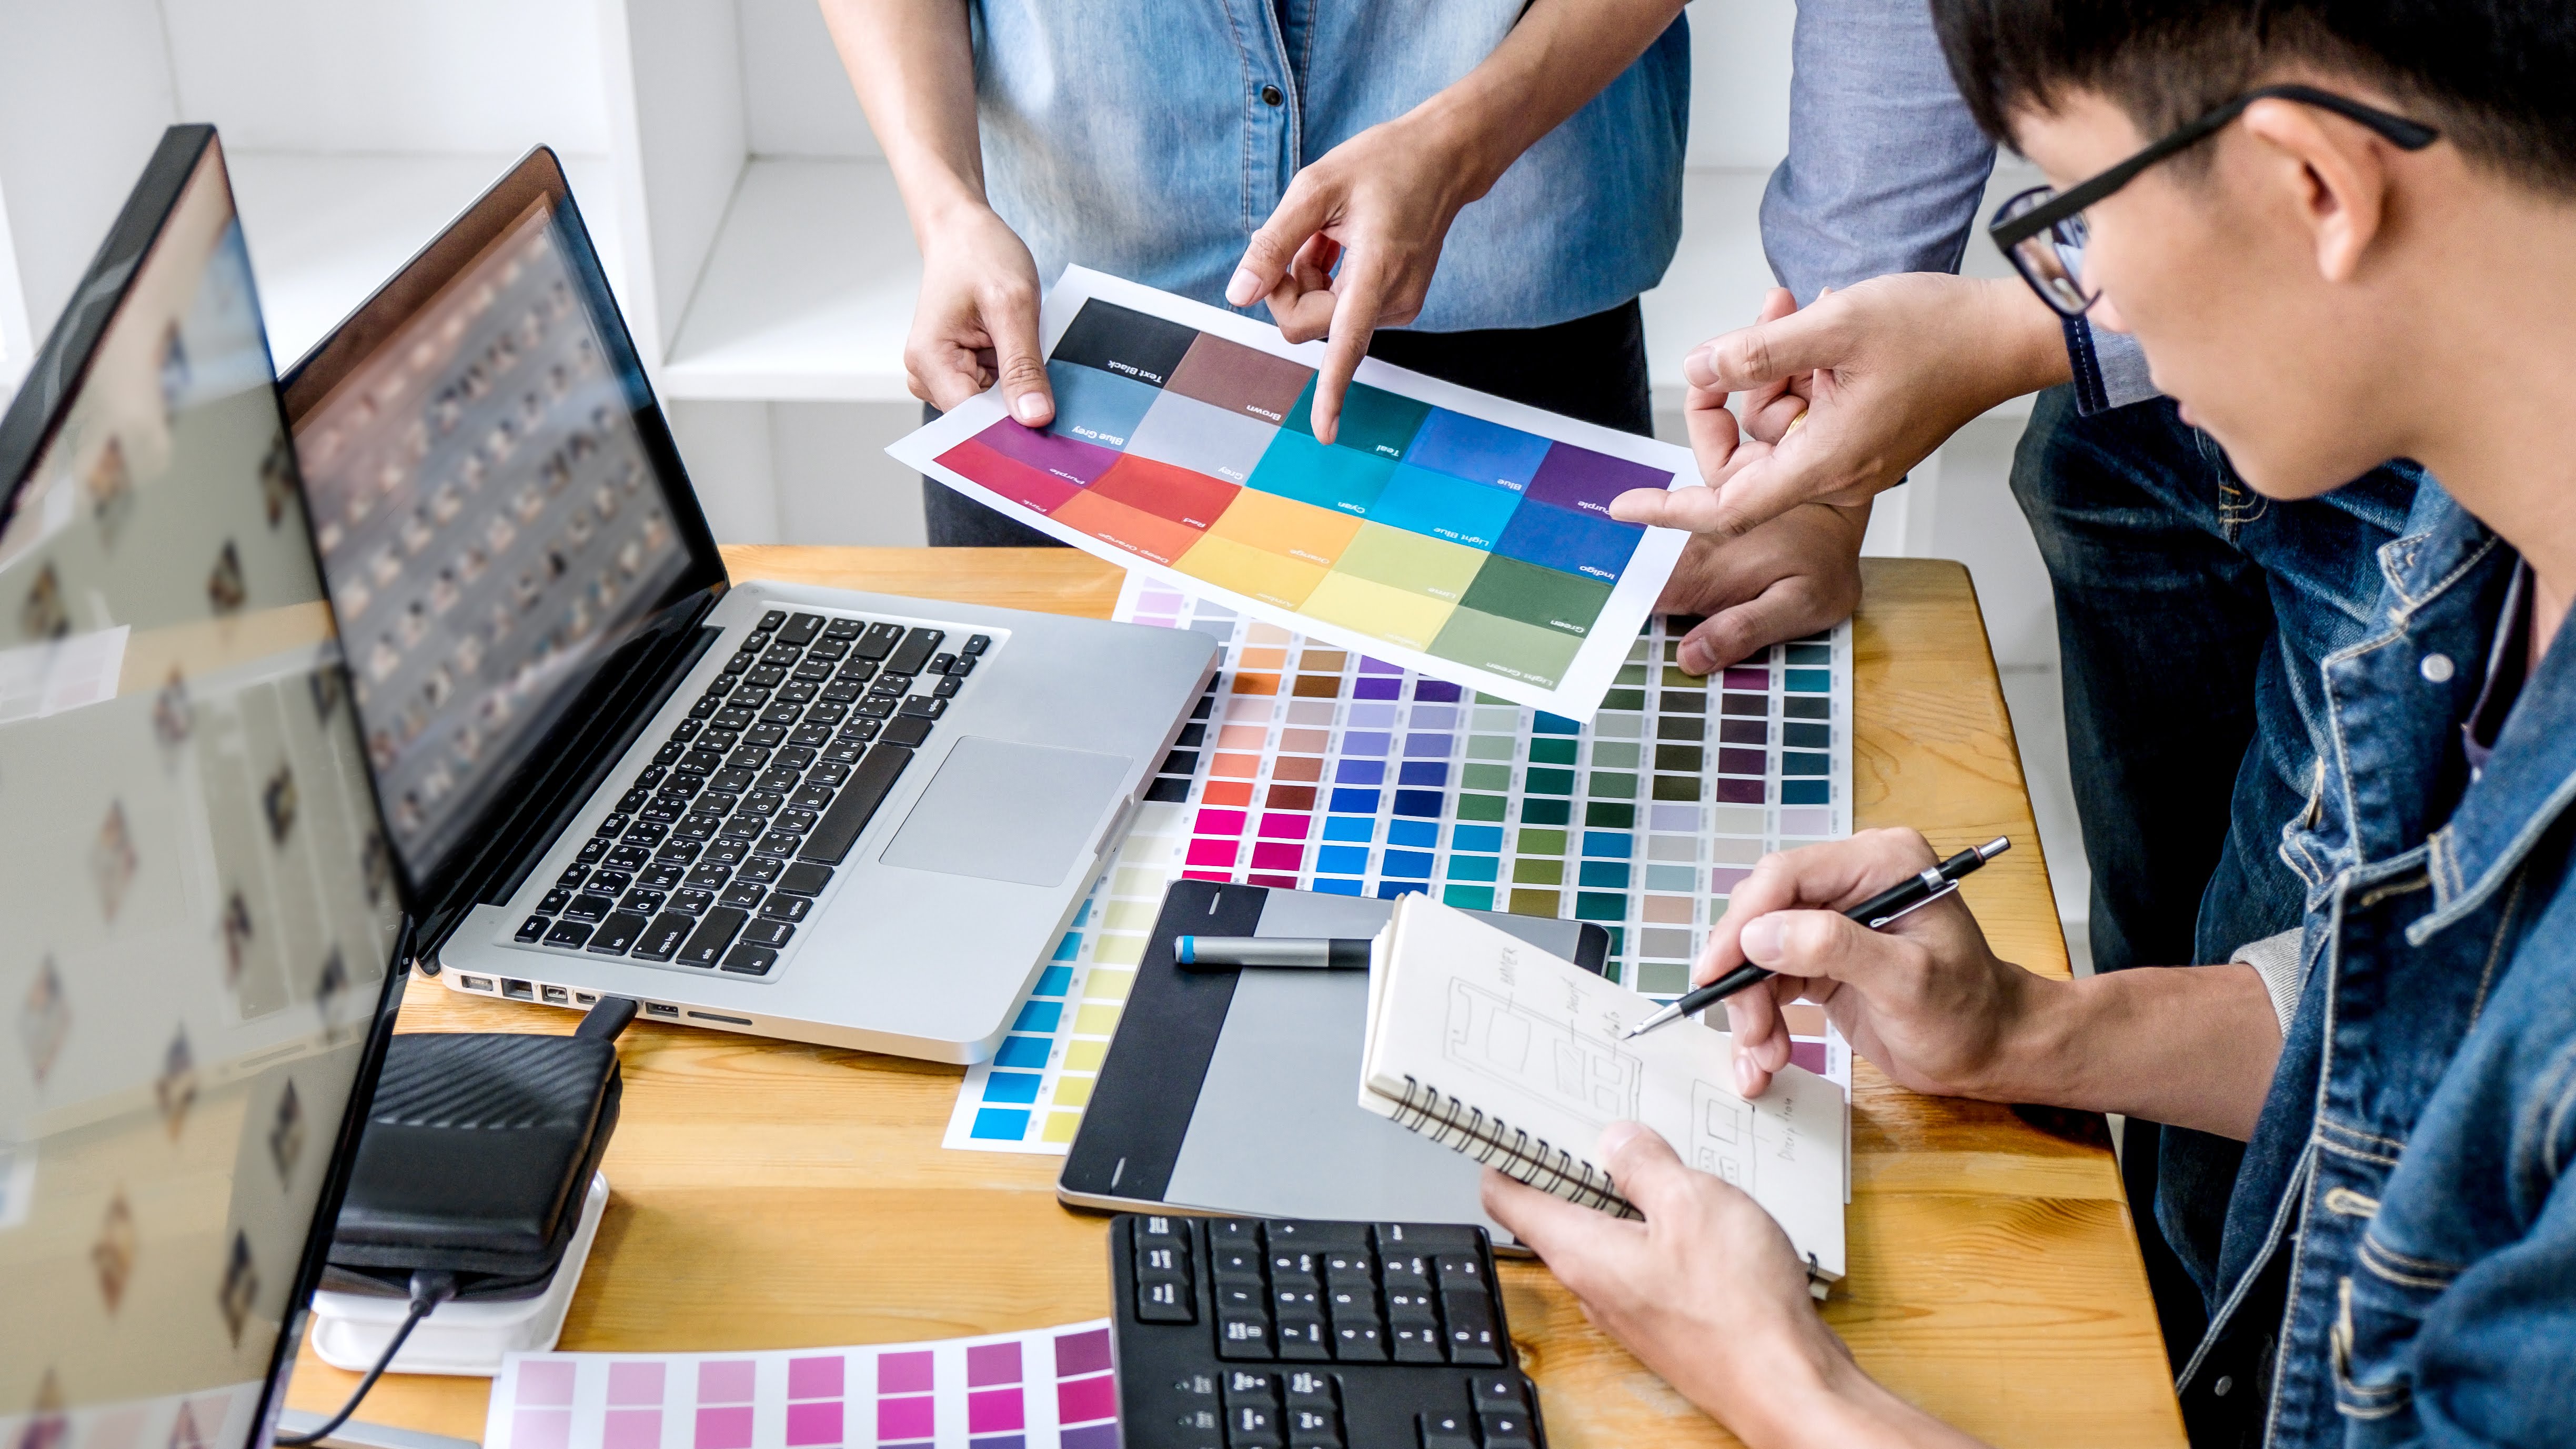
(1498, 1050)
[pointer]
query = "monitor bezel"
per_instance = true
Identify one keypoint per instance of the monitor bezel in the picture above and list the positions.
(34, 417)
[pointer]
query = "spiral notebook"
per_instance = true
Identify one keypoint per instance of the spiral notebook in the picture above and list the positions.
(1491, 1047)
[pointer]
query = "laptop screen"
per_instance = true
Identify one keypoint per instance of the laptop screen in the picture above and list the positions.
(491, 518)
(199, 905)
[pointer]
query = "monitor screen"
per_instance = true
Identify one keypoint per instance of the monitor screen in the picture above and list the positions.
(200, 907)
(490, 517)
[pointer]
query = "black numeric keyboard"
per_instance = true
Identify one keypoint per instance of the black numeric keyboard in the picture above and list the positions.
(1291, 1334)
(716, 852)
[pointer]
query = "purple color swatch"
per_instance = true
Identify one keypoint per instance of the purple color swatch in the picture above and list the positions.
(546, 1382)
(726, 1381)
(1578, 478)
(1082, 1353)
(1372, 716)
(995, 1411)
(1675, 817)
(1378, 666)
(992, 1363)
(1757, 677)
(814, 1378)
(1367, 743)
(1367, 688)
(1360, 772)
(1091, 1436)
(1436, 746)
(906, 1418)
(815, 1423)
(1065, 457)
(1739, 792)
(635, 1383)
(1740, 762)
(1725, 878)
(904, 1373)
(1434, 717)
(1435, 691)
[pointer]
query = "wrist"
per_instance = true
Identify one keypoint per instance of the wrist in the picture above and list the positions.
(1476, 146)
(2027, 335)
(2039, 1054)
(943, 206)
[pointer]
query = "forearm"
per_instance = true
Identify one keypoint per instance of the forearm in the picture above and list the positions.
(1801, 1389)
(913, 64)
(2193, 1046)
(1558, 56)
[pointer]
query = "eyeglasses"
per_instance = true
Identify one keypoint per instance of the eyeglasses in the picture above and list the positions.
(2043, 229)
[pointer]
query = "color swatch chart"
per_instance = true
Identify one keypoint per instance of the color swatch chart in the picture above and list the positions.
(1049, 1388)
(1470, 546)
(1316, 768)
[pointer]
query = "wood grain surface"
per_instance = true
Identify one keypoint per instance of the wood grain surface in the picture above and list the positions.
(767, 1195)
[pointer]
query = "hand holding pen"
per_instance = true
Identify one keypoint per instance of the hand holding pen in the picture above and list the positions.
(1901, 899)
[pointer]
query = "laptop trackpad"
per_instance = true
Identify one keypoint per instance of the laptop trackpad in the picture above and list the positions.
(1004, 811)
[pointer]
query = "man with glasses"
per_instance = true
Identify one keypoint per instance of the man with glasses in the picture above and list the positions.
(2191, 613)
(2341, 231)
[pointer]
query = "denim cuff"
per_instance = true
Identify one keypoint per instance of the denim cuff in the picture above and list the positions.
(2110, 368)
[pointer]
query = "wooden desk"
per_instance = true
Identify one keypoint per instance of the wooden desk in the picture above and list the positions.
(776, 1196)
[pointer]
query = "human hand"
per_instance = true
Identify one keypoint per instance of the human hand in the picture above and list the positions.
(1925, 998)
(977, 318)
(1788, 578)
(1708, 1293)
(1380, 205)
(1848, 393)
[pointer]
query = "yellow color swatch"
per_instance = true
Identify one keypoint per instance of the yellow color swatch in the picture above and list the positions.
(1118, 950)
(1061, 1126)
(1395, 615)
(1073, 1091)
(1411, 561)
(1108, 985)
(1098, 1018)
(1130, 915)
(1255, 573)
(1085, 1056)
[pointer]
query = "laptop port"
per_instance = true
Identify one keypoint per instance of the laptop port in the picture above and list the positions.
(655, 1008)
(475, 983)
(584, 998)
(556, 996)
(517, 990)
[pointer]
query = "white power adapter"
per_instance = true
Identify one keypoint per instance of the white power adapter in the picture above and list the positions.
(350, 1330)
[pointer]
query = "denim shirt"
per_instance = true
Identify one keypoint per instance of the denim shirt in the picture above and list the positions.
(1137, 138)
(2399, 1262)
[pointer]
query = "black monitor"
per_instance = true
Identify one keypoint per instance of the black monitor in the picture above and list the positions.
(200, 908)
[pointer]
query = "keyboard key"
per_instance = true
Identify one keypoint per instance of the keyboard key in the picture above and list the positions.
(1310, 1429)
(686, 730)
(628, 857)
(609, 882)
(669, 753)
(1446, 1431)
(592, 850)
(856, 805)
(1460, 1272)
(776, 781)
(908, 732)
(742, 897)
(588, 907)
(722, 686)
(534, 929)
(694, 903)
(811, 736)
(843, 629)
(640, 900)
(779, 843)
(1472, 1338)
(1241, 1334)
(1414, 1340)
(801, 629)
(795, 757)
(977, 645)
(877, 706)
(661, 875)
(723, 853)
(878, 642)
(1508, 1430)
(826, 714)
(782, 714)
(923, 706)
(782, 907)
(964, 666)
(765, 735)
(771, 621)
(678, 852)
(800, 691)
(1305, 1337)
(1497, 1393)
(827, 650)
(844, 692)
(705, 708)
(647, 832)
(732, 781)
(732, 717)
(741, 662)
(1164, 1297)
(1309, 1389)
(699, 762)
(715, 932)
(662, 939)
(942, 663)
(763, 804)
(553, 904)
(947, 688)
(914, 651)
(748, 757)
(568, 933)
(710, 877)
(760, 868)
(856, 732)
(617, 933)
(804, 878)
(1359, 1339)
(750, 960)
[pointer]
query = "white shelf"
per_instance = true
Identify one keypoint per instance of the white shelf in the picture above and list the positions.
(807, 293)
(325, 231)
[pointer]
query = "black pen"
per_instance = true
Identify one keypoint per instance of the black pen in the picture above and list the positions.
(1907, 896)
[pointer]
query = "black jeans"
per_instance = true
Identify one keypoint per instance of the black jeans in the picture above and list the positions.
(2192, 614)
(1593, 368)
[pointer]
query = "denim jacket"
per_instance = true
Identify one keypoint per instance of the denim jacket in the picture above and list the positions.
(1150, 140)
(2399, 1262)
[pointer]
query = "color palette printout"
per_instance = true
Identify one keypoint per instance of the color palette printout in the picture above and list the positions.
(1442, 530)
(1048, 1388)
(1311, 766)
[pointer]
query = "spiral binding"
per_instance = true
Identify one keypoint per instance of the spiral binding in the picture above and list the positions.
(1461, 1128)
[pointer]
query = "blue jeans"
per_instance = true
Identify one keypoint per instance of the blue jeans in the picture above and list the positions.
(2192, 613)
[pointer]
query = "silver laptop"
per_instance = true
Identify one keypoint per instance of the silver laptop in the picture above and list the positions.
(808, 813)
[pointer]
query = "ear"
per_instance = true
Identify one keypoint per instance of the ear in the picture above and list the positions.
(2338, 175)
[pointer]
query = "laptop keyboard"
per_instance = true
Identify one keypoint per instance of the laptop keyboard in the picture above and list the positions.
(716, 854)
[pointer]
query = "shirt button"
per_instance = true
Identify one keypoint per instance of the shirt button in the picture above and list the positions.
(2436, 668)
(1270, 96)
(2225, 1383)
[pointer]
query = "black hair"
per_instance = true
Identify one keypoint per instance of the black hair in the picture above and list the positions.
(2495, 77)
